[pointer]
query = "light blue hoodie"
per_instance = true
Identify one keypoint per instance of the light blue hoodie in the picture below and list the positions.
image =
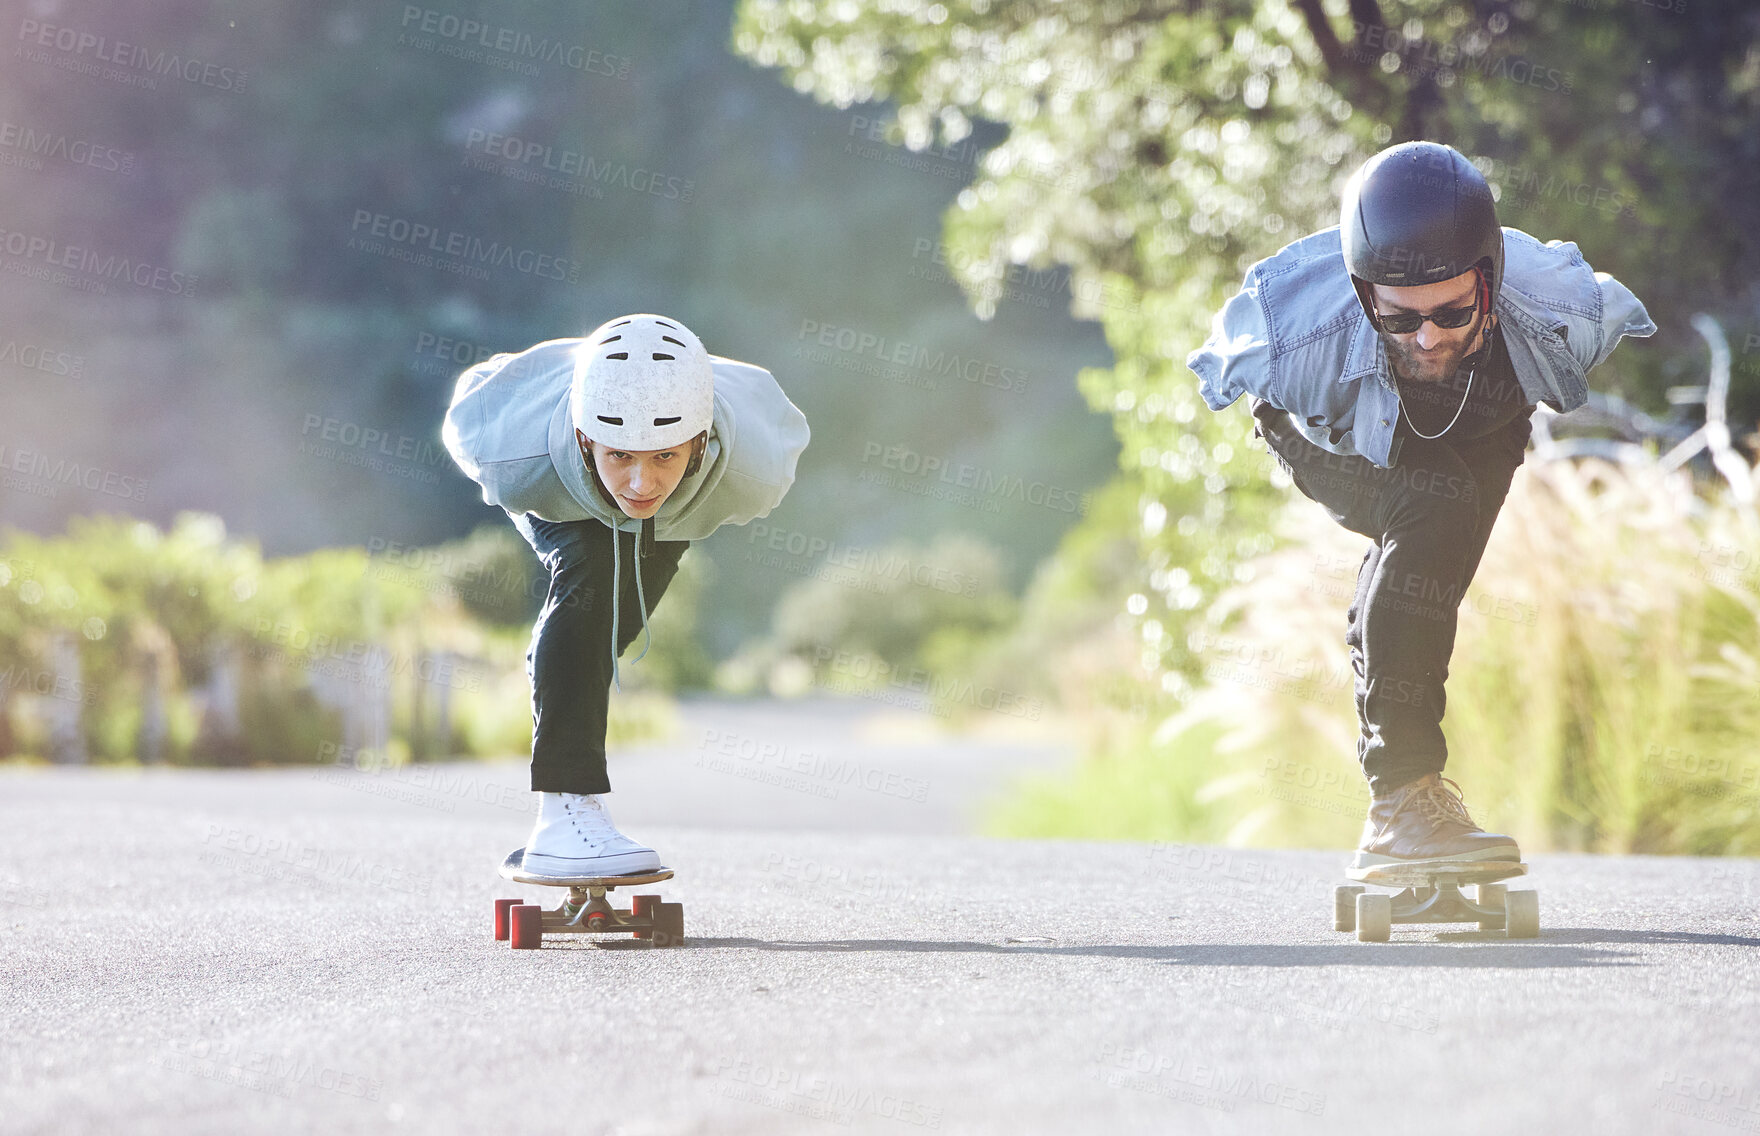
(509, 429)
(1295, 336)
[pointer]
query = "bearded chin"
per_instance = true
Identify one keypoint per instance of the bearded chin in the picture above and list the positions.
(1412, 367)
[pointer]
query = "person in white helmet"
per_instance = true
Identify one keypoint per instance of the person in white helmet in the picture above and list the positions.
(610, 454)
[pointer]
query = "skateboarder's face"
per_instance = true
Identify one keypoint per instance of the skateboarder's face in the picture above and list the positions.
(639, 481)
(1431, 353)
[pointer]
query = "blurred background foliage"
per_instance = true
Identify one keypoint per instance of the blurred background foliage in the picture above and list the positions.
(124, 643)
(1159, 149)
(1061, 193)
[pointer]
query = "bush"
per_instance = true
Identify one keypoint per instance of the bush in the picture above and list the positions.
(124, 643)
(890, 618)
(1604, 693)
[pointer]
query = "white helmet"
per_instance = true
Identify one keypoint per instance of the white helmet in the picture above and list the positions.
(642, 382)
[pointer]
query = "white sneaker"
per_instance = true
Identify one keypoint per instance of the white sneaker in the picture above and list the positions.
(574, 837)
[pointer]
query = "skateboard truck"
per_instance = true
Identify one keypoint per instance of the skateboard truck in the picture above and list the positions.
(586, 910)
(1431, 893)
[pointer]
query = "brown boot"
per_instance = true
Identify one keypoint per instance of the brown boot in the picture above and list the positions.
(1424, 822)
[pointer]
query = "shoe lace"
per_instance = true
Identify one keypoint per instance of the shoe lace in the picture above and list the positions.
(1442, 802)
(589, 817)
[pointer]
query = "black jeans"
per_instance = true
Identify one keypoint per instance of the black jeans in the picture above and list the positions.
(1429, 518)
(569, 661)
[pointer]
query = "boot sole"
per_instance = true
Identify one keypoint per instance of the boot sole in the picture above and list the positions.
(1366, 866)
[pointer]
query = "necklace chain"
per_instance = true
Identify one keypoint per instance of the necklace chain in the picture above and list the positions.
(1472, 374)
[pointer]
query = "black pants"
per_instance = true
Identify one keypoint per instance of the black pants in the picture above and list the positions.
(569, 660)
(1429, 518)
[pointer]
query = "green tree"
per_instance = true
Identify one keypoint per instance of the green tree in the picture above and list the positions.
(1161, 148)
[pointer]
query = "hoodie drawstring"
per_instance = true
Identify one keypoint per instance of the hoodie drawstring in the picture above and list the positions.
(617, 597)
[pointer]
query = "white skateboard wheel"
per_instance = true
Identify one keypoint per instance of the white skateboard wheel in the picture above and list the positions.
(1374, 917)
(1521, 914)
(1344, 906)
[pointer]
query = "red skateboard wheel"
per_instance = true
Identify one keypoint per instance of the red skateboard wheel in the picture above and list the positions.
(526, 924)
(501, 906)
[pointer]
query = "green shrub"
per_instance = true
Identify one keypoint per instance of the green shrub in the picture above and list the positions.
(252, 659)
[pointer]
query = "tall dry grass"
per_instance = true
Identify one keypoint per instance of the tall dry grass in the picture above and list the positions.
(1604, 692)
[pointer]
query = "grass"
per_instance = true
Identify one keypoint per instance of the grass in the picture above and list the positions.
(1604, 693)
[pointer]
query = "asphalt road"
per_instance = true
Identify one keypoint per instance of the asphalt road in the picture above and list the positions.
(310, 951)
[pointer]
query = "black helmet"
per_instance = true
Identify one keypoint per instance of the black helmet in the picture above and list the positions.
(1417, 213)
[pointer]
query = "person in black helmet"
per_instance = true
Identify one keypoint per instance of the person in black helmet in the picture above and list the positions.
(1393, 364)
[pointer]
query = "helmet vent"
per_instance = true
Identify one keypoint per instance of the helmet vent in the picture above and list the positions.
(618, 355)
(609, 339)
(671, 340)
(667, 421)
(611, 421)
(663, 323)
(658, 355)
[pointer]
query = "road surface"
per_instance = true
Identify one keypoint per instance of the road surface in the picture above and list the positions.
(309, 951)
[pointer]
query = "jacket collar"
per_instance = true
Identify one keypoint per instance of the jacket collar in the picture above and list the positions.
(1365, 356)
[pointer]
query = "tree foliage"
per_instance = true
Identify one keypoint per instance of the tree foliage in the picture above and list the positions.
(1160, 148)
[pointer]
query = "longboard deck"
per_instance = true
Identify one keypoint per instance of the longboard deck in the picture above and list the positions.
(513, 868)
(1426, 875)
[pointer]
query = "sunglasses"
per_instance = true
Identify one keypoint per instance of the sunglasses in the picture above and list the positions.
(1404, 323)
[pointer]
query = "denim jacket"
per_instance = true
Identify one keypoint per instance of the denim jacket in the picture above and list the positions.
(1295, 336)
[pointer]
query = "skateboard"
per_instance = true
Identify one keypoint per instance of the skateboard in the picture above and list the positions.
(585, 911)
(1432, 894)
